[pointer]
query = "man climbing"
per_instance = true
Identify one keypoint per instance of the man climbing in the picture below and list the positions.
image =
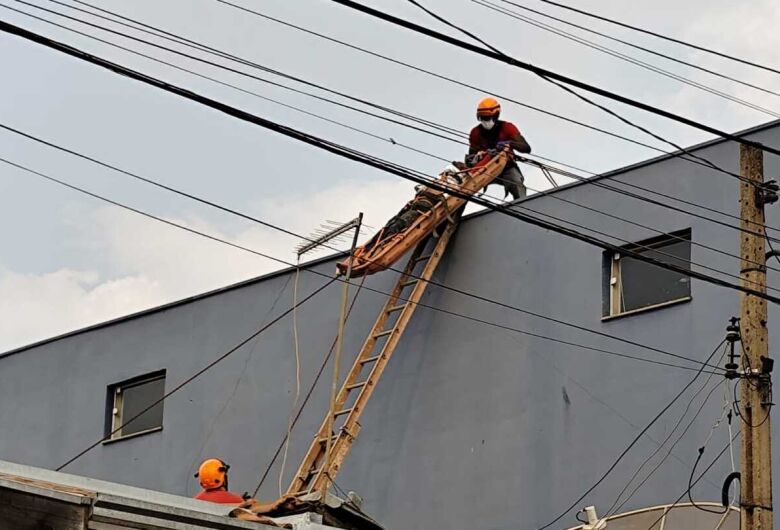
(492, 133)
(213, 478)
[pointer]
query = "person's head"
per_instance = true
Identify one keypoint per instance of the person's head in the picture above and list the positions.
(212, 474)
(488, 111)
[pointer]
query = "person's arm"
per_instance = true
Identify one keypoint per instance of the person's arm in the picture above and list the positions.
(516, 139)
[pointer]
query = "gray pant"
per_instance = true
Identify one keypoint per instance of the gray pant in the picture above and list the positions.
(512, 180)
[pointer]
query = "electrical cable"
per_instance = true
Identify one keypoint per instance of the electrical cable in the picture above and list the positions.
(624, 57)
(642, 48)
(391, 140)
(287, 76)
(615, 508)
(239, 379)
(666, 456)
(240, 72)
(548, 74)
(691, 485)
(194, 376)
(294, 234)
(632, 444)
(357, 156)
(660, 36)
(420, 304)
(507, 98)
(307, 397)
(219, 53)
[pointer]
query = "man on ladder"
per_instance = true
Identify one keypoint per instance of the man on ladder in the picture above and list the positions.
(492, 133)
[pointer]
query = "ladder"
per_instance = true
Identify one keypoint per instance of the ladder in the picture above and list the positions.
(319, 468)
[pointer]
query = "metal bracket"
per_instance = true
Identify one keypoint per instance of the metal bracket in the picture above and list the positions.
(766, 193)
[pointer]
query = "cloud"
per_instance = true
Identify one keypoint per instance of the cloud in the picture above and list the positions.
(150, 263)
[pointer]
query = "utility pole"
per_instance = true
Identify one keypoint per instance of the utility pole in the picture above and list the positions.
(755, 405)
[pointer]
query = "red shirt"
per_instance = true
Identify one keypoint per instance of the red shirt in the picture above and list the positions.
(219, 496)
(481, 139)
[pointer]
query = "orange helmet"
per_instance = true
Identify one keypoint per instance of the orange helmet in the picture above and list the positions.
(488, 108)
(212, 474)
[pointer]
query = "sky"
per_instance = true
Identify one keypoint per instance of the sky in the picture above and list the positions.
(68, 260)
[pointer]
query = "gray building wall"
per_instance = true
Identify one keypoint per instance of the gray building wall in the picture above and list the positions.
(471, 426)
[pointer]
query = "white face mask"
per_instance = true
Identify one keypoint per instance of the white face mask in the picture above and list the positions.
(487, 124)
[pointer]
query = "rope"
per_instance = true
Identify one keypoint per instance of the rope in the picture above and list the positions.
(297, 372)
(308, 396)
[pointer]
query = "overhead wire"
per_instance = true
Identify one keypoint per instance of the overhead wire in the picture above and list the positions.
(693, 483)
(660, 36)
(507, 98)
(384, 293)
(634, 441)
(231, 210)
(624, 57)
(246, 62)
(234, 390)
(615, 507)
(549, 74)
(232, 350)
(391, 140)
(368, 160)
(194, 376)
(249, 75)
(504, 97)
(294, 420)
(565, 86)
(642, 48)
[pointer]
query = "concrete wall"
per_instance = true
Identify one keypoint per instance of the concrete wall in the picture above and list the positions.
(472, 426)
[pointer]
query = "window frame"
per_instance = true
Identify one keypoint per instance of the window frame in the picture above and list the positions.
(114, 406)
(614, 288)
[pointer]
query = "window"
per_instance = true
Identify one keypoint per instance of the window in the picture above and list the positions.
(632, 285)
(128, 399)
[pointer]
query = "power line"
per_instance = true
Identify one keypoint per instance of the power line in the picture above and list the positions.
(517, 102)
(195, 375)
(252, 76)
(642, 48)
(254, 335)
(208, 202)
(363, 158)
(287, 76)
(693, 483)
(420, 120)
(633, 442)
(624, 57)
(660, 36)
(545, 73)
(565, 87)
(614, 508)
(420, 304)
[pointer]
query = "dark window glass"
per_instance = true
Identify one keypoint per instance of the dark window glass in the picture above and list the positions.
(630, 284)
(644, 284)
(137, 398)
(131, 398)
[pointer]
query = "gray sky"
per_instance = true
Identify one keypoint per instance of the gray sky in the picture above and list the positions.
(69, 261)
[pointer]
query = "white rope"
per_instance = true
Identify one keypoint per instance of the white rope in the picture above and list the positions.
(297, 374)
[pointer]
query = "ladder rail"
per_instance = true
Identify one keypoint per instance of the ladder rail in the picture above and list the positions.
(314, 473)
(313, 455)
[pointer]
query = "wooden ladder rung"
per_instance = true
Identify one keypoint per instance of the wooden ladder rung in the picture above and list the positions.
(370, 359)
(396, 308)
(324, 439)
(408, 283)
(342, 412)
(356, 385)
(383, 333)
(423, 258)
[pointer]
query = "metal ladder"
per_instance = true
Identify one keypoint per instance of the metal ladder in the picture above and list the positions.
(317, 471)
